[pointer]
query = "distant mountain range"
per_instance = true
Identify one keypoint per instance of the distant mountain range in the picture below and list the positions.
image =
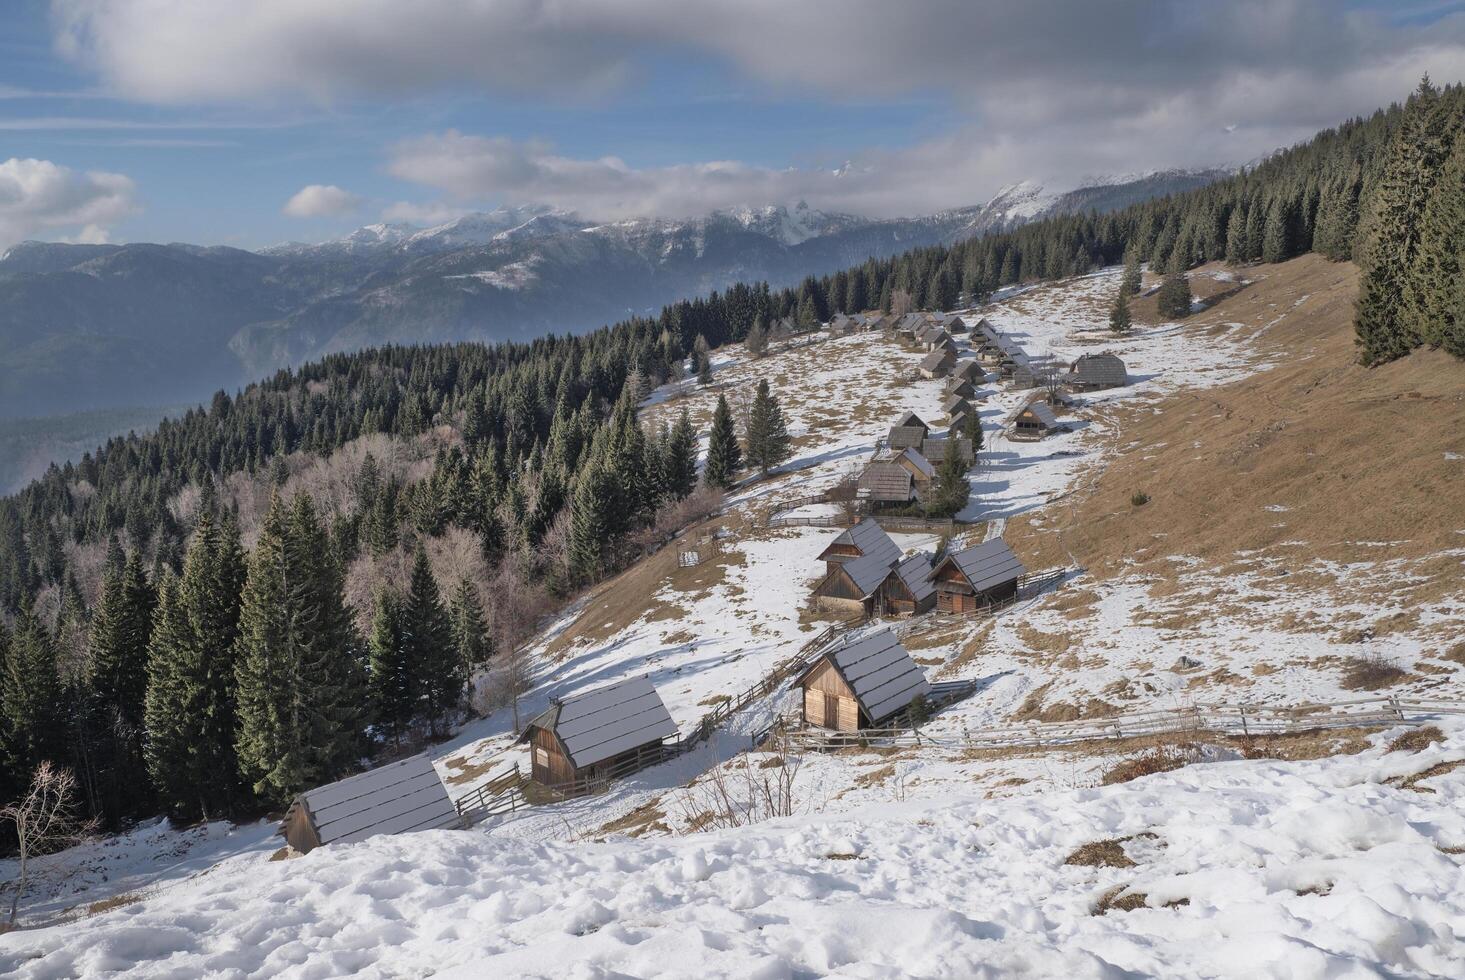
(99, 326)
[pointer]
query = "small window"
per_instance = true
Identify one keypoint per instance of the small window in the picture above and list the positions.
(541, 756)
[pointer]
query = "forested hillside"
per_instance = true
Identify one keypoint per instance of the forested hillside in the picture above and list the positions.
(338, 545)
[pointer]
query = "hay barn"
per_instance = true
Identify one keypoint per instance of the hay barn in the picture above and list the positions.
(1092, 372)
(599, 734)
(1032, 422)
(977, 576)
(861, 683)
(398, 798)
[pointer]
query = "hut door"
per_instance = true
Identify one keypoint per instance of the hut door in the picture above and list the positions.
(831, 710)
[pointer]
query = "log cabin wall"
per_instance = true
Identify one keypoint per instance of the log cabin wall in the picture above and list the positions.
(828, 700)
(549, 764)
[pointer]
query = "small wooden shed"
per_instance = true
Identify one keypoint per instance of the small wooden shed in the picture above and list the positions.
(935, 449)
(865, 539)
(938, 363)
(598, 733)
(954, 324)
(1032, 422)
(885, 483)
(955, 403)
(919, 467)
(1095, 371)
(398, 798)
(960, 387)
(861, 683)
(973, 577)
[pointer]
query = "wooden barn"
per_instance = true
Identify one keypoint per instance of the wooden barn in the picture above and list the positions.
(1032, 422)
(919, 467)
(935, 449)
(841, 325)
(971, 578)
(960, 387)
(955, 403)
(938, 363)
(910, 326)
(865, 539)
(961, 419)
(598, 733)
(1092, 372)
(884, 482)
(861, 683)
(954, 324)
(398, 798)
(907, 432)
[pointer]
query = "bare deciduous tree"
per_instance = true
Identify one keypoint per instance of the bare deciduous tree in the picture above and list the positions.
(516, 604)
(45, 821)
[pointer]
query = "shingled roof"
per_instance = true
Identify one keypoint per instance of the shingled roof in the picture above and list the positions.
(1098, 371)
(868, 538)
(398, 798)
(969, 370)
(915, 572)
(910, 419)
(935, 449)
(886, 482)
(879, 672)
(921, 463)
(601, 724)
(1040, 411)
(937, 359)
(906, 436)
(987, 565)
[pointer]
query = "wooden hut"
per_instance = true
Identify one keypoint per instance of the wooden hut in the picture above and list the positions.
(954, 325)
(935, 449)
(865, 539)
(885, 483)
(861, 683)
(960, 387)
(973, 577)
(841, 325)
(398, 798)
(907, 432)
(960, 419)
(954, 404)
(599, 734)
(938, 363)
(1094, 371)
(910, 325)
(1032, 422)
(918, 466)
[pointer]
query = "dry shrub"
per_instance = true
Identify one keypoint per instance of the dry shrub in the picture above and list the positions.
(1156, 760)
(1417, 739)
(115, 902)
(1102, 854)
(1117, 899)
(1371, 673)
(1438, 769)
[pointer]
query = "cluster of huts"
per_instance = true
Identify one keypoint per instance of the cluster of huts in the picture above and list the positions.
(867, 574)
(904, 468)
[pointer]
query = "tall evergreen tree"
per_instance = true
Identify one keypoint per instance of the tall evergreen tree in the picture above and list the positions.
(1119, 319)
(724, 456)
(591, 520)
(470, 627)
(767, 442)
(1131, 280)
(391, 684)
(32, 727)
(681, 458)
(1173, 296)
(300, 676)
(952, 486)
(1436, 269)
(427, 635)
(1391, 237)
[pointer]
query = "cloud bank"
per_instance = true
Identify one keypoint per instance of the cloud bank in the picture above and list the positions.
(321, 201)
(38, 196)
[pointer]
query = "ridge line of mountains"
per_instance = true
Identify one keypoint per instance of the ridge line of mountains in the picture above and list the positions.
(88, 327)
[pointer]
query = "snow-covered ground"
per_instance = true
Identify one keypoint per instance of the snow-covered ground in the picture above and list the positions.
(1328, 868)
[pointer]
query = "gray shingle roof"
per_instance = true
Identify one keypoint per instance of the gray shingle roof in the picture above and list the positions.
(969, 370)
(915, 572)
(935, 449)
(910, 419)
(397, 798)
(1105, 370)
(904, 436)
(869, 538)
(937, 359)
(881, 673)
(987, 565)
(920, 462)
(953, 402)
(885, 481)
(954, 324)
(1040, 411)
(607, 721)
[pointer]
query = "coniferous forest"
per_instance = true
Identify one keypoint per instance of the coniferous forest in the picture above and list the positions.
(187, 647)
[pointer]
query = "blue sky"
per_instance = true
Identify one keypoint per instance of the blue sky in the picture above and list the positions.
(198, 120)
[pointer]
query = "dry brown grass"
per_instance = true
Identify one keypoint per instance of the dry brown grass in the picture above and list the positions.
(115, 902)
(1117, 899)
(645, 819)
(1157, 760)
(1355, 454)
(1371, 674)
(1438, 769)
(1102, 854)
(1035, 707)
(874, 777)
(1417, 739)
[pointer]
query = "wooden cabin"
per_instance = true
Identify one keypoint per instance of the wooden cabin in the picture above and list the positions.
(1032, 422)
(594, 734)
(954, 325)
(961, 420)
(935, 449)
(938, 363)
(969, 579)
(969, 370)
(861, 683)
(907, 432)
(398, 798)
(885, 483)
(841, 325)
(954, 404)
(960, 387)
(919, 467)
(866, 538)
(910, 326)
(1092, 372)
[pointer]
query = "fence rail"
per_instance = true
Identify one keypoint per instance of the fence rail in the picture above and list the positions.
(1217, 719)
(504, 794)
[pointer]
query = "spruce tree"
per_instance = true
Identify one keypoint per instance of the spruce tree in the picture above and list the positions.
(952, 486)
(119, 645)
(1391, 235)
(767, 442)
(1436, 270)
(1119, 320)
(1237, 251)
(427, 636)
(390, 681)
(1131, 281)
(1173, 296)
(591, 520)
(724, 457)
(1277, 233)
(32, 727)
(298, 661)
(681, 458)
(470, 628)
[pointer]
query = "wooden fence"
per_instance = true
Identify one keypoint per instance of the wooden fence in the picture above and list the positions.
(1199, 720)
(503, 794)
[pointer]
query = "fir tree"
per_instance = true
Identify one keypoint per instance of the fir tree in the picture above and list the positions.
(724, 457)
(1277, 233)
(952, 486)
(1436, 270)
(427, 636)
(119, 646)
(32, 725)
(681, 458)
(1392, 234)
(1173, 296)
(1119, 320)
(767, 442)
(390, 679)
(298, 660)
(470, 628)
(1131, 280)
(757, 339)
(1237, 251)
(590, 522)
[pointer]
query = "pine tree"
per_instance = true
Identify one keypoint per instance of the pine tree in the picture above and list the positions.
(389, 674)
(32, 726)
(1436, 270)
(298, 661)
(952, 486)
(1131, 281)
(724, 457)
(1391, 235)
(767, 442)
(1277, 233)
(974, 432)
(119, 646)
(681, 458)
(1173, 296)
(757, 339)
(1119, 320)
(1237, 251)
(470, 628)
(591, 520)
(427, 636)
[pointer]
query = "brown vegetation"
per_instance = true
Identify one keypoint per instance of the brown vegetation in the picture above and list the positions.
(1417, 739)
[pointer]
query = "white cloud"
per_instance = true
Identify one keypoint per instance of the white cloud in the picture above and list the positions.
(321, 201)
(426, 213)
(38, 197)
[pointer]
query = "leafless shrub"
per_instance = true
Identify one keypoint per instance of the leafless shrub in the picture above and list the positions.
(1162, 759)
(1417, 739)
(45, 820)
(1372, 672)
(741, 793)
